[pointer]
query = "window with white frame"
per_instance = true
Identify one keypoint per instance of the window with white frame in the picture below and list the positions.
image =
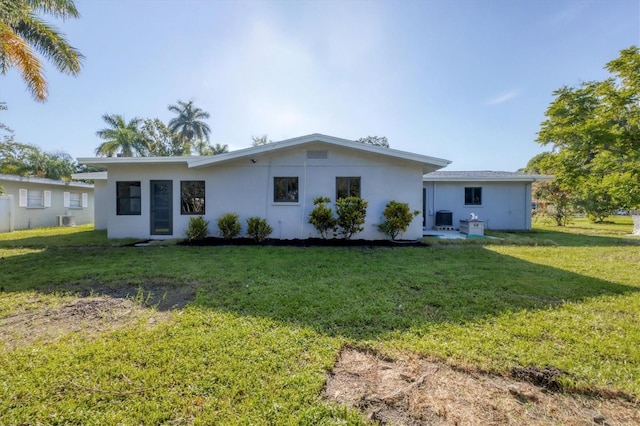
(76, 200)
(34, 198)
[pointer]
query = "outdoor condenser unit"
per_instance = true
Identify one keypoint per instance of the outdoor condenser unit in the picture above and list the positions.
(66, 220)
(444, 218)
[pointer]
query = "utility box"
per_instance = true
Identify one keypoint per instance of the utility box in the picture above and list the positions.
(472, 227)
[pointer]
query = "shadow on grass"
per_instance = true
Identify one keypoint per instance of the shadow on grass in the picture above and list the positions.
(358, 293)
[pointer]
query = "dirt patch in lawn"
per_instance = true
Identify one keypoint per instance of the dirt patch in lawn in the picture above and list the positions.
(415, 391)
(47, 322)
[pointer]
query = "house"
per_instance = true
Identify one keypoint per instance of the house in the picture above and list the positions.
(154, 197)
(502, 200)
(32, 202)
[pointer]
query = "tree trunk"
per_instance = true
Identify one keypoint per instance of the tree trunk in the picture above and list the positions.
(635, 215)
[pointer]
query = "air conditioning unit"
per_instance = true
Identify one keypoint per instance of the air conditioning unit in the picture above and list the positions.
(66, 221)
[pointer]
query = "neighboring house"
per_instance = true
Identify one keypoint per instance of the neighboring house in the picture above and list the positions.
(501, 199)
(154, 197)
(36, 202)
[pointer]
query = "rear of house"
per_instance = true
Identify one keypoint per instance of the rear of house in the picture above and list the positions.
(154, 197)
(502, 200)
(33, 202)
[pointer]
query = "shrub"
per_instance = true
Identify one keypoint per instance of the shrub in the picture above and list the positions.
(321, 217)
(229, 225)
(197, 229)
(351, 213)
(398, 217)
(258, 228)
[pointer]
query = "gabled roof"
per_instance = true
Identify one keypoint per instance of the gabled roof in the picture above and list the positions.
(428, 163)
(44, 181)
(483, 176)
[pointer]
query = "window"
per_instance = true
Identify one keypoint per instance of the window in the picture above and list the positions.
(76, 200)
(34, 198)
(285, 189)
(192, 197)
(128, 198)
(347, 187)
(472, 196)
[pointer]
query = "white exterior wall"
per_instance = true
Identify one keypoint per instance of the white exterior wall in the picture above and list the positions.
(6, 213)
(38, 217)
(246, 188)
(101, 204)
(505, 205)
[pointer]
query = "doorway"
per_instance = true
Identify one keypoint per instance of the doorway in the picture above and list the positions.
(161, 207)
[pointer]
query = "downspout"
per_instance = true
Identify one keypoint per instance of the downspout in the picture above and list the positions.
(304, 195)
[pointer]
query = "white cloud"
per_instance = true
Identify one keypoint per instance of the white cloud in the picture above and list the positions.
(503, 97)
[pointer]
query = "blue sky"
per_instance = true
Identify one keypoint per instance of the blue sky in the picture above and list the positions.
(468, 81)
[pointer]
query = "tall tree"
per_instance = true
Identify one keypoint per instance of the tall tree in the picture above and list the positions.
(125, 137)
(375, 141)
(162, 142)
(22, 31)
(594, 129)
(188, 124)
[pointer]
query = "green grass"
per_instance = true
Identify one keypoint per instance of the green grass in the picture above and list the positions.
(267, 323)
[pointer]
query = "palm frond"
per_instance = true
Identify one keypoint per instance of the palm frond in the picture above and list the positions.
(49, 42)
(17, 53)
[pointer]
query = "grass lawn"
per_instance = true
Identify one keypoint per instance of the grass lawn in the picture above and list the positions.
(263, 325)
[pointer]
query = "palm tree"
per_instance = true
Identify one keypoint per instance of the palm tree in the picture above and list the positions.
(22, 32)
(220, 149)
(188, 124)
(123, 136)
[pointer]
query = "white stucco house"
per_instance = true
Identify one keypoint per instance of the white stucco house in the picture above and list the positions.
(501, 200)
(32, 202)
(154, 197)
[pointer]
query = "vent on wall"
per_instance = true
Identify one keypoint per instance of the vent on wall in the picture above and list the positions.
(66, 221)
(317, 155)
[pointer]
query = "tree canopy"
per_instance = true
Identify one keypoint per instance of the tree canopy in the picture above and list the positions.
(122, 137)
(28, 160)
(375, 141)
(189, 123)
(22, 31)
(594, 131)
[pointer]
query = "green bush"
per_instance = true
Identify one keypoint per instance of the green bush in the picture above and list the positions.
(398, 217)
(321, 217)
(258, 228)
(229, 225)
(351, 213)
(197, 229)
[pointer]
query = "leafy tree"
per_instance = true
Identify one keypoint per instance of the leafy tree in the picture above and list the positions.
(123, 136)
(351, 213)
(188, 124)
(375, 140)
(29, 160)
(22, 31)
(555, 198)
(260, 140)
(161, 141)
(594, 130)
